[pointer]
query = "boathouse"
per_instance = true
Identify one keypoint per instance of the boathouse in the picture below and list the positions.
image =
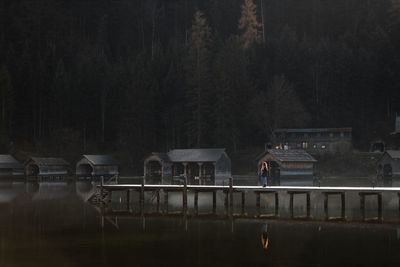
(10, 167)
(314, 140)
(287, 163)
(96, 166)
(47, 167)
(201, 166)
(389, 164)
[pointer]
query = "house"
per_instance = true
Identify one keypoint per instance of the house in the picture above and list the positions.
(47, 167)
(201, 166)
(314, 140)
(97, 166)
(285, 163)
(389, 164)
(10, 167)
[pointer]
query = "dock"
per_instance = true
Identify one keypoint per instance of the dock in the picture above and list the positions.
(104, 193)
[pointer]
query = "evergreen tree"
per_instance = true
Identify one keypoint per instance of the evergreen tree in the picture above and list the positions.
(249, 26)
(232, 89)
(198, 80)
(7, 101)
(278, 106)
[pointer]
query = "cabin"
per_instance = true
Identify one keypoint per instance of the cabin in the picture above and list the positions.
(291, 164)
(47, 167)
(91, 166)
(313, 140)
(210, 166)
(10, 167)
(389, 165)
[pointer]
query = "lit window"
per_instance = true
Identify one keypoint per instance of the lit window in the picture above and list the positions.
(304, 145)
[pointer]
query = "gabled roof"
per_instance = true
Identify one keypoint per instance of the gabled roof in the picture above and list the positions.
(394, 154)
(101, 159)
(312, 130)
(9, 162)
(50, 161)
(290, 155)
(162, 156)
(196, 155)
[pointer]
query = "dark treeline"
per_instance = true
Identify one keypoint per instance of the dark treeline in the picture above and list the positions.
(147, 75)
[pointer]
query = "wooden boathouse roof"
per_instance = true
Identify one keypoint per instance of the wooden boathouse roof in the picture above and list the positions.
(49, 161)
(289, 155)
(102, 160)
(9, 162)
(313, 130)
(191, 155)
(196, 155)
(394, 154)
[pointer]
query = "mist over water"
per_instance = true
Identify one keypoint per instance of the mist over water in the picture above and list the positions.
(51, 224)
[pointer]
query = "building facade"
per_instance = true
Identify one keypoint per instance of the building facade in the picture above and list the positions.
(389, 165)
(199, 166)
(47, 167)
(96, 166)
(314, 140)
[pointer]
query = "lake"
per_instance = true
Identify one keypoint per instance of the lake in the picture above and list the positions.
(51, 224)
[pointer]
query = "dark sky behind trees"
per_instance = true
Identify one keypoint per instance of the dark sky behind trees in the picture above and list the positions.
(147, 75)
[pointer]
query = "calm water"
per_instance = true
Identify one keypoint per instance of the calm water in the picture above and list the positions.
(51, 225)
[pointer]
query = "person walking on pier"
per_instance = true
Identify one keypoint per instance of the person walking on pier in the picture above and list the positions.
(264, 174)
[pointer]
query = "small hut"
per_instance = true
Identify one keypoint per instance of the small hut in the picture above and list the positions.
(389, 164)
(47, 167)
(96, 166)
(287, 163)
(201, 166)
(10, 167)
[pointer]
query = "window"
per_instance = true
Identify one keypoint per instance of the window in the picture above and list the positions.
(304, 145)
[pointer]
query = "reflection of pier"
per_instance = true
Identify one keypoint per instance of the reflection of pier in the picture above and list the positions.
(104, 194)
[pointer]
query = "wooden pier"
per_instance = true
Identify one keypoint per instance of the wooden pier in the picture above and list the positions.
(295, 192)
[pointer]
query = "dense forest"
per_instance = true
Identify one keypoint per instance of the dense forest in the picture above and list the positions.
(151, 75)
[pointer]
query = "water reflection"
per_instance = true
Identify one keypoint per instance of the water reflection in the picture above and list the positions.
(264, 236)
(51, 225)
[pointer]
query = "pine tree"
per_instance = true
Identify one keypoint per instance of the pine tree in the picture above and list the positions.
(7, 105)
(231, 88)
(249, 27)
(198, 79)
(278, 106)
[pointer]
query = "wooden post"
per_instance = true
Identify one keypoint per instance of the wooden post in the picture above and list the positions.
(141, 195)
(291, 204)
(101, 190)
(398, 195)
(362, 204)
(226, 201)
(308, 205)
(231, 194)
(343, 198)
(196, 200)
(276, 204)
(258, 203)
(200, 164)
(128, 199)
(243, 202)
(214, 202)
(379, 206)
(166, 201)
(185, 193)
(158, 200)
(326, 196)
